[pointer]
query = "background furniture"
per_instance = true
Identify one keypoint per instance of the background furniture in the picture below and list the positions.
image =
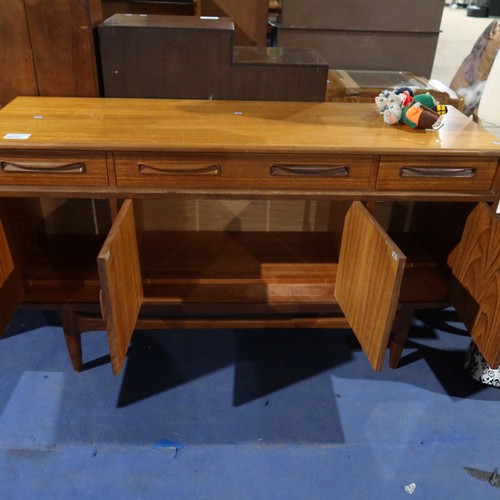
(186, 57)
(249, 16)
(163, 7)
(48, 48)
(262, 224)
(364, 85)
(361, 34)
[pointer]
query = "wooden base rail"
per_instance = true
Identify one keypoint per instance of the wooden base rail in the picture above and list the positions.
(76, 323)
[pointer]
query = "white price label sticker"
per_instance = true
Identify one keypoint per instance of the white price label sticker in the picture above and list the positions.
(17, 137)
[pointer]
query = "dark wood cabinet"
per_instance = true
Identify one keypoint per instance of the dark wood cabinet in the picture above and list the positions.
(185, 57)
(399, 35)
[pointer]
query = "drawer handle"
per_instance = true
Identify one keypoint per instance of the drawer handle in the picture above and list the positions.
(188, 170)
(437, 172)
(310, 170)
(43, 168)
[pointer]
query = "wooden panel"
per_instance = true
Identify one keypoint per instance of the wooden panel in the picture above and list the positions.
(245, 171)
(476, 293)
(187, 214)
(17, 71)
(412, 52)
(250, 18)
(180, 7)
(363, 14)
(6, 262)
(368, 282)
(11, 289)
(165, 56)
(63, 47)
(437, 174)
(277, 74)
(121, 284)
(53, 169)
(76, 216)
(238, 267)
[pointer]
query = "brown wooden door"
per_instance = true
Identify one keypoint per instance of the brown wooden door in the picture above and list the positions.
(476, 284)
(369, 277)
(121, 284)
(17, 69)
(62, 44)
(11, 287)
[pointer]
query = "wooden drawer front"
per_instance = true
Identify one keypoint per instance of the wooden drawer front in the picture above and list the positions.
(436, 174)
(244, 171)
(54, 169)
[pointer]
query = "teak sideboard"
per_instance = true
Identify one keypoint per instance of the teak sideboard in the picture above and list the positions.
(234, 214)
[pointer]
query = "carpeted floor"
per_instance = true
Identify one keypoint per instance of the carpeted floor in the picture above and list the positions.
(242, 414)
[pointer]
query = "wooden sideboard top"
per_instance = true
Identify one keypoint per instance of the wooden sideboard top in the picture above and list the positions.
(227, 126)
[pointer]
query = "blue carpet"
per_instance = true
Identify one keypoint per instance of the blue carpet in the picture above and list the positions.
(242, 414)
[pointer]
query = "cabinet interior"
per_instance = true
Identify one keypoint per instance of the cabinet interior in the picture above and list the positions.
(281, 253)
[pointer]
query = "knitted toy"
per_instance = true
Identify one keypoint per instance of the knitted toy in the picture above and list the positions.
(405, 94)
(390, 105)
(419, 116)
(385, 98)
(419, 111)
(424, 112)
(429, 101)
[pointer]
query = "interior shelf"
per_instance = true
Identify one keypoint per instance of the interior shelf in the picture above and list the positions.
(210, 267)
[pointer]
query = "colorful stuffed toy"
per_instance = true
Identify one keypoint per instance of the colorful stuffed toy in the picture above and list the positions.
(419, 116)
(423, 112)
(390, 105)
(385, 98)
(416, 111)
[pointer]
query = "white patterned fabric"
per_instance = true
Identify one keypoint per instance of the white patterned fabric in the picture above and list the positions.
(478, 368)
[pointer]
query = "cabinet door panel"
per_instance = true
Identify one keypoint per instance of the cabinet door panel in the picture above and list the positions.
(121, 284)
(11, 287)
(476, 290)
(369, 278)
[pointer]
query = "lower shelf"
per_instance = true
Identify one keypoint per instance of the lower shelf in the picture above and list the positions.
(201, 271)
(194, 267)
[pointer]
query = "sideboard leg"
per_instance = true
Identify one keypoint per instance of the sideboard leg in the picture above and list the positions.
(399, 334)
(72, 335)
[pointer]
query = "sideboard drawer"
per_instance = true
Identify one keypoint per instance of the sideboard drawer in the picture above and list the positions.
(54, 168)
(460, 173)
(244, 171)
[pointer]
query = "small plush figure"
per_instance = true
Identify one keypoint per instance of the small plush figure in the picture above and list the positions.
(385, 98)
(419, 116)
(428, 101)
(405, 94)
(393, 113)
(416, 111)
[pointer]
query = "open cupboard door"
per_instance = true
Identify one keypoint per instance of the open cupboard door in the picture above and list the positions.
(476, 284)
(368, 283)
(121, 284)
(11, 286)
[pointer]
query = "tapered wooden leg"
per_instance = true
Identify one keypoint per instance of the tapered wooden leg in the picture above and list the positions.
(72, 335)
(399, 334)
